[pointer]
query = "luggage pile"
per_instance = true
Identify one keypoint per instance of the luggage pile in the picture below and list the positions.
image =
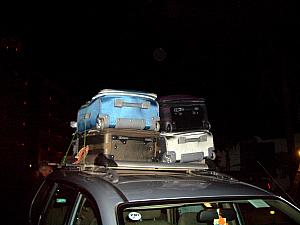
(139, 127)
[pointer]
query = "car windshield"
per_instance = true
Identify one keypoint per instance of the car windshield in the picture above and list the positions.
(257, 211)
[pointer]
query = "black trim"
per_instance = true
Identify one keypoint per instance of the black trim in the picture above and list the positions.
(51, 193)
(85, 194)
(78, 198)
(94, 205)
(52, 187)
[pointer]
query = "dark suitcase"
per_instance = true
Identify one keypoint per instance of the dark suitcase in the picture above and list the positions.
(112, 144)
(182, 112)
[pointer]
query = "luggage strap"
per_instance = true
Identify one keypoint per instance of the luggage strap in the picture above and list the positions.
(84, 141)
(63, 161)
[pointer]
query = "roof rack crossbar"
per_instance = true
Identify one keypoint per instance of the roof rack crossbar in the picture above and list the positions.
(104, 172)
(156, 166)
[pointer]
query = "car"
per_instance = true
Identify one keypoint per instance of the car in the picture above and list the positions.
(135, 193)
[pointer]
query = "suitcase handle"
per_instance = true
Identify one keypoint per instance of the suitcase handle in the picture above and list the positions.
(125, 138)
(183, 140)
(120, 103)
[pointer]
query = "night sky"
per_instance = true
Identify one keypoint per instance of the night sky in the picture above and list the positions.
(241, 56)
(235, 54)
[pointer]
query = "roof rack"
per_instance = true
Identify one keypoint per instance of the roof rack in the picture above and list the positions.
(215, 174)
(133, 165)
(104, 172)
(157, 166)
(112, 173)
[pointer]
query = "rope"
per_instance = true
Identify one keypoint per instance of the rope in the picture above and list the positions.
(63, 161)
(84, 137)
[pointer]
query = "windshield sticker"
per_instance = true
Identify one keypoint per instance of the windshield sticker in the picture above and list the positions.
(135, 216)
(258, 203)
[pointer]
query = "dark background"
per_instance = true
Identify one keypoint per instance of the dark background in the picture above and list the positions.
(241, 56)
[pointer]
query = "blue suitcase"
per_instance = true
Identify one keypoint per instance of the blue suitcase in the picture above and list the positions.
(119, 109)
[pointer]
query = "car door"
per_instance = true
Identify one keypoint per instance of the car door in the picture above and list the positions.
(59, 205)
(85, 212)
(39, 202)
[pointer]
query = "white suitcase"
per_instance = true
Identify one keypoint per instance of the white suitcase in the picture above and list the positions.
(190, 146)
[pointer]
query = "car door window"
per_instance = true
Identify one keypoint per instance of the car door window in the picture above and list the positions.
(39, 202)
(86, 213)
(59, 206)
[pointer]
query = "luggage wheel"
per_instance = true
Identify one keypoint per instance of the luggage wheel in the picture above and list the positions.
(213, 157)
(169, 128)
(157, 126)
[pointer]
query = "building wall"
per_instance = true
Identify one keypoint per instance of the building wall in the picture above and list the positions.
(241, 160)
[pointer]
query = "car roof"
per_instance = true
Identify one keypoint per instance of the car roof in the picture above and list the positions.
(112, 188)
(153, 187)
(135, 186)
